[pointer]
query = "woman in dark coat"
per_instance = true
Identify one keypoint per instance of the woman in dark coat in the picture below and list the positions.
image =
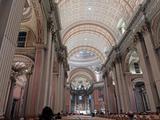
(47, 114)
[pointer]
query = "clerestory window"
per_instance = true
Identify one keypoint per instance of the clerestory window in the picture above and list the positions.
(21, 39)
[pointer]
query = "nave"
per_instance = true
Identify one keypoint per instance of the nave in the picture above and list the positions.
(80, 57)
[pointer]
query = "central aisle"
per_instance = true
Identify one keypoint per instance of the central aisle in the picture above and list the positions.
(80, 117)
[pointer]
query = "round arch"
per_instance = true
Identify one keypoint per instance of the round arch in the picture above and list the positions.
(155, 25)
(127, 57)
(81, 71)
(94, 27)
(89, 48)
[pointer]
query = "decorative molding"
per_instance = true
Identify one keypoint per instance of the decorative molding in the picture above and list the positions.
(138, 24)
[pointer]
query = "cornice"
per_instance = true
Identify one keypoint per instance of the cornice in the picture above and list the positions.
(139, 23)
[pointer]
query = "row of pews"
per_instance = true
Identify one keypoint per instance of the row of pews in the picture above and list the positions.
(148, 116)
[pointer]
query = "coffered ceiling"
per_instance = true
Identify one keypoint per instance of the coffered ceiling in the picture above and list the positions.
(90, 28)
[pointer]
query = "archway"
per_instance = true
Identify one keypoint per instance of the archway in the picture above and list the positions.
(135, 82)
(81, 85)
(141, 98)
(19, 80)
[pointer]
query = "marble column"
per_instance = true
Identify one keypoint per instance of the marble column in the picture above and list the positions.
(92, 104)
(116, 90)
(35, 99)
(153, 57)
(59, 96)
(105, 93)
(10, 24)
(108, 94)
(62, 88)
(147, 74)
(124, 96)
(112, 101)
(131, 91)
(55, 81)
(67, 100)
(52, 84)
(49, 59)
(96, 100)
(10, 98)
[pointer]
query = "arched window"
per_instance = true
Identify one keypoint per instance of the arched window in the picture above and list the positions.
(133, 63)
(21, 39)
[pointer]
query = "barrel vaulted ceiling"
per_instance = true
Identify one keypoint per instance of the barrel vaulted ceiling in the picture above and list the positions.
(89, 28)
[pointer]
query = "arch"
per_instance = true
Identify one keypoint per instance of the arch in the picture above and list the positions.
(137, 79)
(155, 25)
(140, 95)
(30, 37)
(27, 28)
(127, 57)
(89, 26)
(89, 48)
(81, 71)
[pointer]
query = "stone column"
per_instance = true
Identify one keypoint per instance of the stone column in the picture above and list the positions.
(105, 93)
(52, 83)
(147, 74)
(108, 94)
(59, 96)
(112, 101)
(96, 100)
(92, 104)
(29, 78)
(116, 89)
(62, 88)
(131, 91)
(124, 97)
(67, 100)
(36, 85)
(48, 69)
(10, 98)
(11, 14)
(153, 57)
(70, 103)
(75, 105)
(55, 81)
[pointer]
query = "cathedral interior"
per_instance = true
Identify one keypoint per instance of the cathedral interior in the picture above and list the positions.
(80, 57)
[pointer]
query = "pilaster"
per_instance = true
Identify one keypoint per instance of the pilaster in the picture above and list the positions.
(153, 58)
(59, 96)
(10, 24)
(106, 96)
(147, 73)
(124, 95)
(118, 101)
(35, 97)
